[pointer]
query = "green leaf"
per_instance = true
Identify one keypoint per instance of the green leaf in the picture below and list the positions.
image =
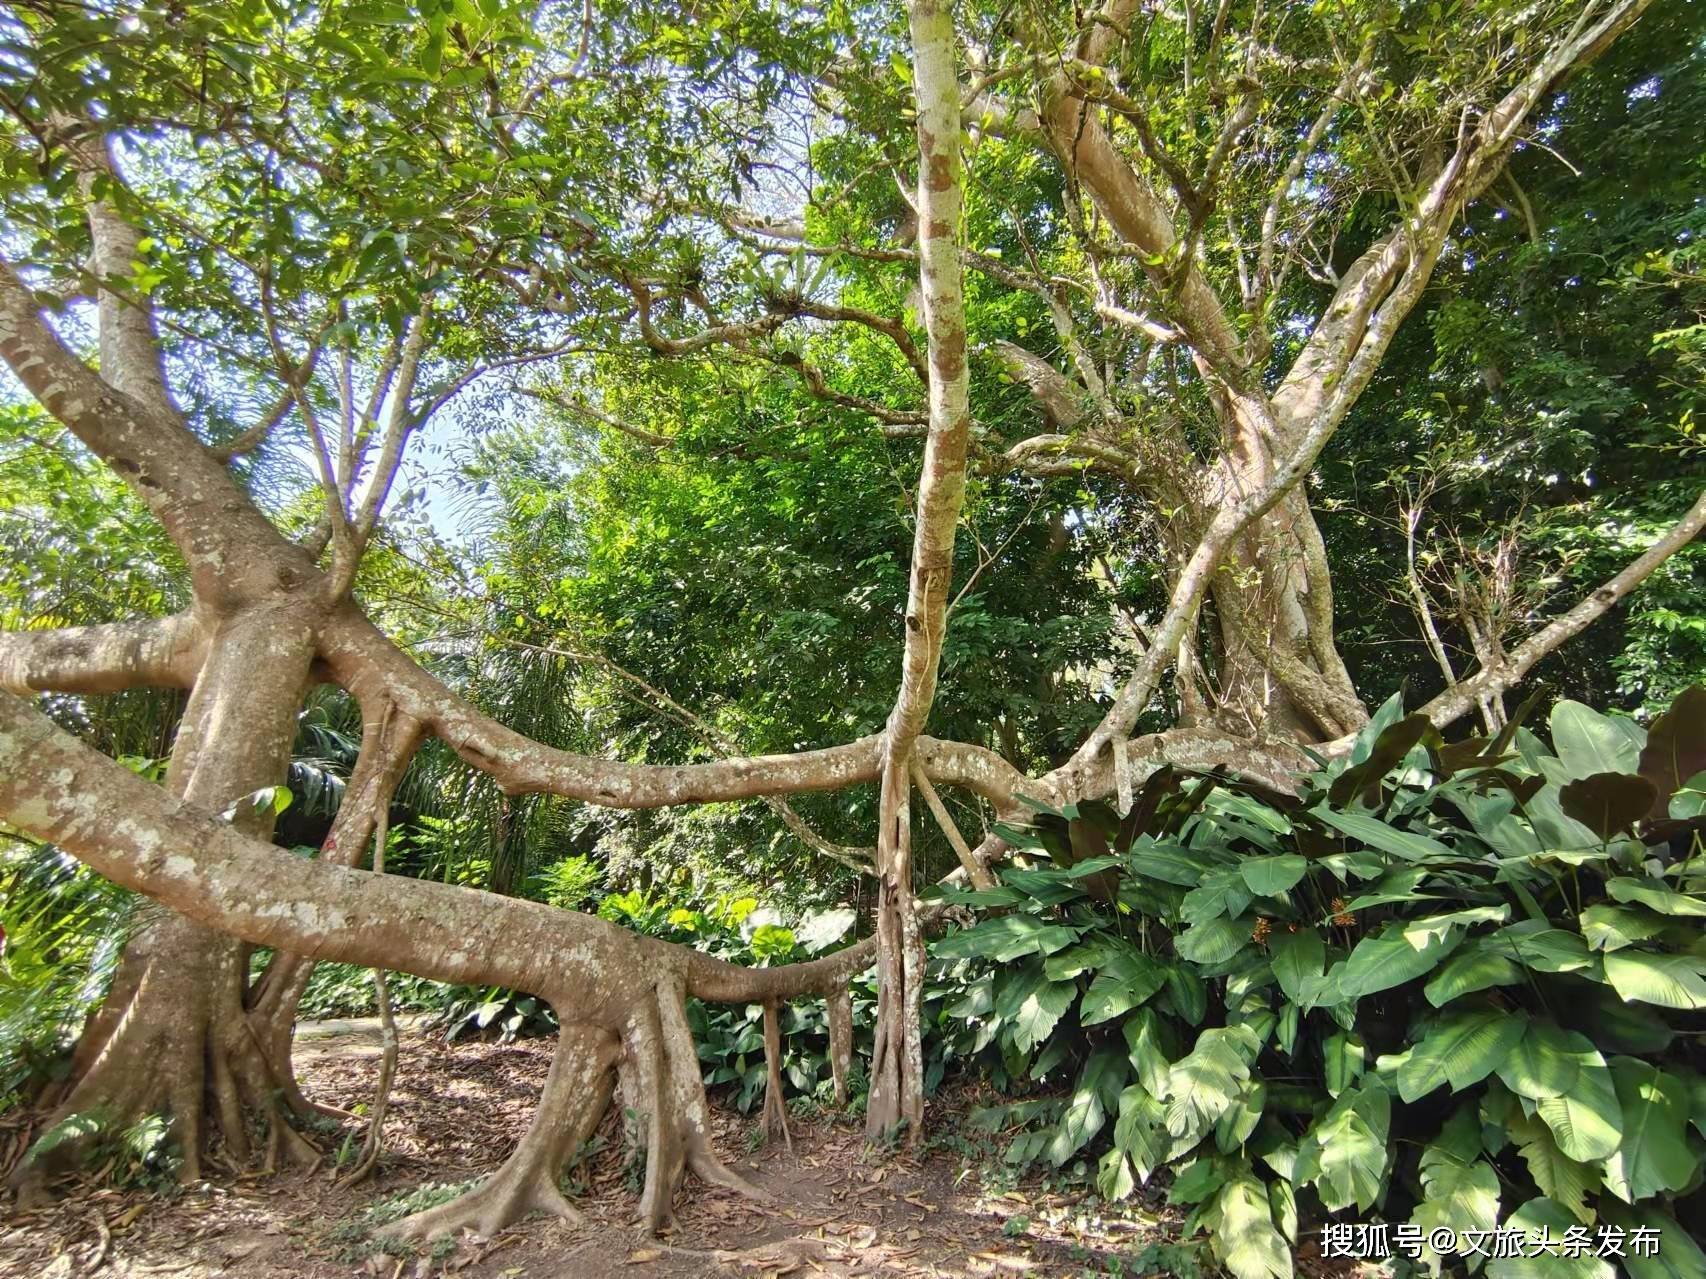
(1221, 892)
(1269, 876)
(1114, 1181)
(1438, 927)
(1566, 1181)
(1609, 927)
(1654, 893)
(1675, 1254)
(1471, 969)
(1245, 1237)
(1670, 981)
(1006, 938)
(1388, 839)
(1546, 1062)
(1141, 1131)
(1460, 1049)
(1587, 742)
(1457, 1194)
(1034, 1015)
(1206, 1083)
(1587, 1120)
(1389, 958)
(1541, 1219)
(1344, 1057)
(1126, 981)
(1213, 942)
(1296, 959)
(1098, 1087)
(1146, 1051)
(1653, 1156)
(1345, 1154)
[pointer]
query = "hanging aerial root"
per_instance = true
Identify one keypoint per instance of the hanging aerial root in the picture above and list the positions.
(775, 1110)
(576, 1094)
(840, 1005)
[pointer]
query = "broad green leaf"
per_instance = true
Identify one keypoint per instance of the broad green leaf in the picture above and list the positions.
(1296, 959)
(1114, 1181)
(1270, 876)
(1471, 969)
(1653, 1156)
(1205, 1083)
(1388, 839)
(1457, 1195)
(1565, 1181)
(1588, 742)
(1098, 1088)
(1345, 1154)
(1541, 1221)
(1213, 942)
(1609, 927)
(1675, 1254)
(1145, 1048)
(1245, 1237)
(1141, 1131)
(1656, 894)
(1459, 1049)
(1221, 892)
(1006, 938)
(1587, 1120)
(1544, 950)
(1438, 927)
(1344, 1057)
(1125, 982)
(1389, 958)
(1546, 1062)
(1670, 981)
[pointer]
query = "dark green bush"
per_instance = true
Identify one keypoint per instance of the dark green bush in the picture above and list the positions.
(1445, 985)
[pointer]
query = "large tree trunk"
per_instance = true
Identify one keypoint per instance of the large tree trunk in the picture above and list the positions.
(173, 1035)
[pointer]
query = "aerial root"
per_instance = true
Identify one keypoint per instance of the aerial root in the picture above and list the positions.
(775, 1110)
(576, 1094)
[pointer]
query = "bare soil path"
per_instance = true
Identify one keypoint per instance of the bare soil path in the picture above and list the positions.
(456, 1111)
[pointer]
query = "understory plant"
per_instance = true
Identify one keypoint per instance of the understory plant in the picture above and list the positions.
(1444, 985)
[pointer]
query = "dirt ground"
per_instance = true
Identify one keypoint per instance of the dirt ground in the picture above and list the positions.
(456, 1111)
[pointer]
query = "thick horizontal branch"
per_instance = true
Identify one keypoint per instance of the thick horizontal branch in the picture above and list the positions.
(140, 836)
(163, 653)
(365, 662)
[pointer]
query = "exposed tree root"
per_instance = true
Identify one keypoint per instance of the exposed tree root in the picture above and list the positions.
(577, 1091)
(173, 1038)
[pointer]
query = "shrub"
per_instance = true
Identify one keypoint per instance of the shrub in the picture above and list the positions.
(1453, 985)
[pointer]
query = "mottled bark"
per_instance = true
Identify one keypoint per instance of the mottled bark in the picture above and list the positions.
(897, 1060)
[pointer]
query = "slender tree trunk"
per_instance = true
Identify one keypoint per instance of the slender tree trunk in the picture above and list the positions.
(897, 1058)
(173, 1035)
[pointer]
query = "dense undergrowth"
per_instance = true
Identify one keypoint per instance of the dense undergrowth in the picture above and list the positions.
(1455, 986)
(1445, 985)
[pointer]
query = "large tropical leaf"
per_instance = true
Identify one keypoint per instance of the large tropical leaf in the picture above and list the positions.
(1674, 1253)
(1345, 1154)
(1458, 1194)
(1542, 1222)
(1245, 1238)
(1546, 1062)
(1459, 1049)
(1390, 958)
(1588, 742)
(1565, 1181)
(1006, 938)
(1676, 746)
(1208, 1081)
(1653, 1155)
(1587, 1120)
(1670, 981)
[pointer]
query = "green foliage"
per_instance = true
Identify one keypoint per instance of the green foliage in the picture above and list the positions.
(1431, 986)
